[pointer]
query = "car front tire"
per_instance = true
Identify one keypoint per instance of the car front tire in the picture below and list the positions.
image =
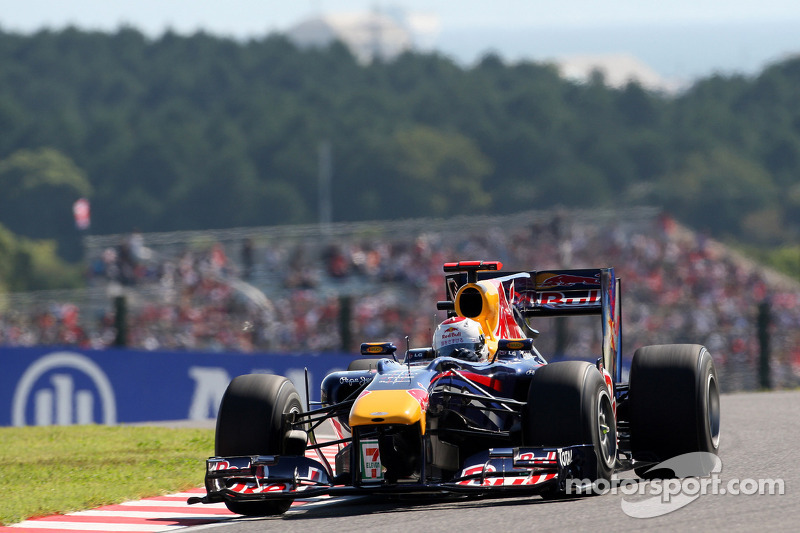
(251, 422)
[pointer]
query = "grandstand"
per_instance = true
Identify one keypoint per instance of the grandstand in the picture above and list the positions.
(316, 288)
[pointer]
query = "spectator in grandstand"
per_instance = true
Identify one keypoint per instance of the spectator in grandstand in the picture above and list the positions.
(678, 287)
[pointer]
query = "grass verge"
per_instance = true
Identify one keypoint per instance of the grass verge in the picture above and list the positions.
(59, 469)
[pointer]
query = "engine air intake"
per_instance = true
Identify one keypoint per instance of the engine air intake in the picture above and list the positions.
(470, 302)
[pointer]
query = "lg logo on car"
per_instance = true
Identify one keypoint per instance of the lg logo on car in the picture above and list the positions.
(65, 388)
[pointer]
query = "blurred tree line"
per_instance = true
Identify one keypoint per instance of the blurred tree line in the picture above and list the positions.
(197, 132)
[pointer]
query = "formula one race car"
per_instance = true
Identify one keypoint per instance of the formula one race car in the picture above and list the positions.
(506, 422)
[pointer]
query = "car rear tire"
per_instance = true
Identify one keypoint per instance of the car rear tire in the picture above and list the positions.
(674, 404)
(251, 422)
(569, 404)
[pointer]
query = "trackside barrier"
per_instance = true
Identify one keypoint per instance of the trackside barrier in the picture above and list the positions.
(53, 386)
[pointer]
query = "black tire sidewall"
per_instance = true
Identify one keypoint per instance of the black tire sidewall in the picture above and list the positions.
(563, 410)
(669, 395)
(600, 393)
(707, 427)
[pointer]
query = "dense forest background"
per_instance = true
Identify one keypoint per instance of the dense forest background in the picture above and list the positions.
(200, 132)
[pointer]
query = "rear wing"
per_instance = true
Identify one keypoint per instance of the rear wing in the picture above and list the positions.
(554, 293)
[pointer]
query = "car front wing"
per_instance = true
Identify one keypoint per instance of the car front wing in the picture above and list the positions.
(498, 470)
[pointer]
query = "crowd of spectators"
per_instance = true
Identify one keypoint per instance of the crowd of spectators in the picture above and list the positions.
(322, 294)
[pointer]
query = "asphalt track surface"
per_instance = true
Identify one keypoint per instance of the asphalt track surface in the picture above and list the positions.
(760, 436)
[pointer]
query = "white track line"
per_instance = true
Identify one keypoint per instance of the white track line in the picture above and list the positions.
(170, 507)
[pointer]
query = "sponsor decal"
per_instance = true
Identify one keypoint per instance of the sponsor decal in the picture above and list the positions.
(399, 376)
(64, 388)
(374, 349)
(559, 298)
(371, 467)
(564, 457)
(452, 339)
(545, 459)
(363, 393)
(222, 465)
(566, 280)
(242, 463)
(492, 478)
(475, 470)
(254, 488)
(355, 381)
(421, 396)
(589, 298)
(451, 336)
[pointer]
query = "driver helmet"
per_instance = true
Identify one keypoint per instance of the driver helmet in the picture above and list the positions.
(462, 338)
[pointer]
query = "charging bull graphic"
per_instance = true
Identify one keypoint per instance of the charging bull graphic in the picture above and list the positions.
(549, 280)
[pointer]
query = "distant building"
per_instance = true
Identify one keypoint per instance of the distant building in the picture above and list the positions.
(617, 69)
(386, 33)
(369, 34)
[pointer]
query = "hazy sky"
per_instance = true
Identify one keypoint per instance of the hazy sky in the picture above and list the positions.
(681, 39)
(245, 18)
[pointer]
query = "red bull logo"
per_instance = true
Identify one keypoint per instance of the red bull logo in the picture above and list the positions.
(450, 335)
(421, 395)
(568, 280)
(451, 338)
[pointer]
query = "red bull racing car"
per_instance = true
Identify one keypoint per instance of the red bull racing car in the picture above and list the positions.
(505, 421)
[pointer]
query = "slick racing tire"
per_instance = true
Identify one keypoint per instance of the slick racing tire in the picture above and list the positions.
(674, 405)
(363, 364)
(570, 404)
(251, 422)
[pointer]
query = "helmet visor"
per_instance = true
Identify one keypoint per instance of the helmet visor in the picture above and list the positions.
(447, 351)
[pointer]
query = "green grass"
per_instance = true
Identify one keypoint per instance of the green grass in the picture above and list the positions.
(59, 469)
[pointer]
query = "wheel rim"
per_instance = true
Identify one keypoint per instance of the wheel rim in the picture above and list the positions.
(713, 410)
(606, 429)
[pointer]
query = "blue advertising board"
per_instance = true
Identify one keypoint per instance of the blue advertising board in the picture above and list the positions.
(65, 386)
